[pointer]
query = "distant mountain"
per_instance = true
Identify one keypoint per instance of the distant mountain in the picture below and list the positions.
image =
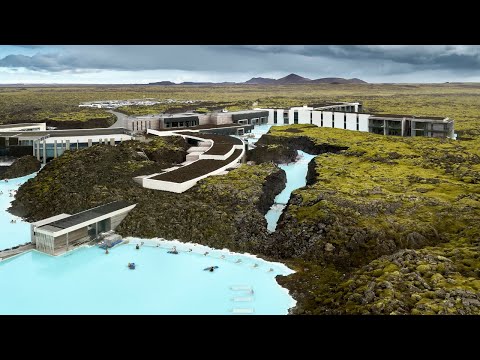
(260, 81)
(162, 83)
(196, 83)
(291, 79)
(338, 81)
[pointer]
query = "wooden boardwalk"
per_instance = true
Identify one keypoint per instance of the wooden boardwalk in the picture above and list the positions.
(4, 254)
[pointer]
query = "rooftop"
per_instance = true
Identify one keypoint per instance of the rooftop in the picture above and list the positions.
(408, 116)
(196, 169)
(19, 125)
(62, 133)
(222, 144)
(85, 216)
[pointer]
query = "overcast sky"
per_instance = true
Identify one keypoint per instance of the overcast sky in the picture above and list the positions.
(117, 64)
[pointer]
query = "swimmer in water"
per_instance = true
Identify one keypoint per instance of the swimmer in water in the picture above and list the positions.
(270, 270)
(238, 261)
(255, 265)
(223, 256)
(206, 253)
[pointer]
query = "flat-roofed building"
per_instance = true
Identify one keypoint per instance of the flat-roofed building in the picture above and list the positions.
(24, 127)
(57, 234)
(408, 125)
(345, 116)
(196, 120)
(49, 144)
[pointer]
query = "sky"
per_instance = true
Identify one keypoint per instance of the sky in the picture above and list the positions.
(139, 64)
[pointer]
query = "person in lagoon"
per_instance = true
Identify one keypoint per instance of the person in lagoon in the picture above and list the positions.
(137, 247)
(206, 253)
(238, 261)
(106, 251)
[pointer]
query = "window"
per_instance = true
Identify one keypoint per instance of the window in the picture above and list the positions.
(285, 117)
(358, 123)
(321, 119)
(345, 121)
(333, 119)
(311, 117)
(295, 117)
(274, 116)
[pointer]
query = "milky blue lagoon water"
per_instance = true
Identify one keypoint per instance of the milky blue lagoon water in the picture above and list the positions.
(12, 234)
(296, 178)
(257, 131)
(88, 281)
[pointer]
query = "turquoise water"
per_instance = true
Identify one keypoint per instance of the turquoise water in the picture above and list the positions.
(12, 234)
(258, 131)
(87, 281)
(296, 178)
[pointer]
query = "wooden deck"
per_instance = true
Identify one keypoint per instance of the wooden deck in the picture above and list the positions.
(4, 254)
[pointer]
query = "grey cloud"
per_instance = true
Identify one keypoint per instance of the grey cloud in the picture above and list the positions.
(444, 56)
(364, 61)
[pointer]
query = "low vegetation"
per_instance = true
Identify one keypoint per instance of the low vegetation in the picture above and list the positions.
(387, 225)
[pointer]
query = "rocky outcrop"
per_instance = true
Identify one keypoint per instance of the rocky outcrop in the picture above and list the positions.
(312, 172)
(23, 166)
(276, 153)
(299, 142)
(272, 186)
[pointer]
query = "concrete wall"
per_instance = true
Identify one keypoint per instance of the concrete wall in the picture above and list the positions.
(204, 119)
(303, 116)
(339, 119)
(317, 118)
(363, 122)
(327, 118)
(116, 220)
(351, 121)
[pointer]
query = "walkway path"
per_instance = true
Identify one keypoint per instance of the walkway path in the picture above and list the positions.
(121, 119)
(11, 252)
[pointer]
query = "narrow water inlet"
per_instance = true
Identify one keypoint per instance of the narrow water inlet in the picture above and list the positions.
(296, 178)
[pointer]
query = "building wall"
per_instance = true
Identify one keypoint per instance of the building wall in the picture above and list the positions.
(363, 122)
(351, 121)
(317, 118)
(72, 236)
(339, 119)
(327, 118)
(116, 220)
(44, 243)
(303, 116)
